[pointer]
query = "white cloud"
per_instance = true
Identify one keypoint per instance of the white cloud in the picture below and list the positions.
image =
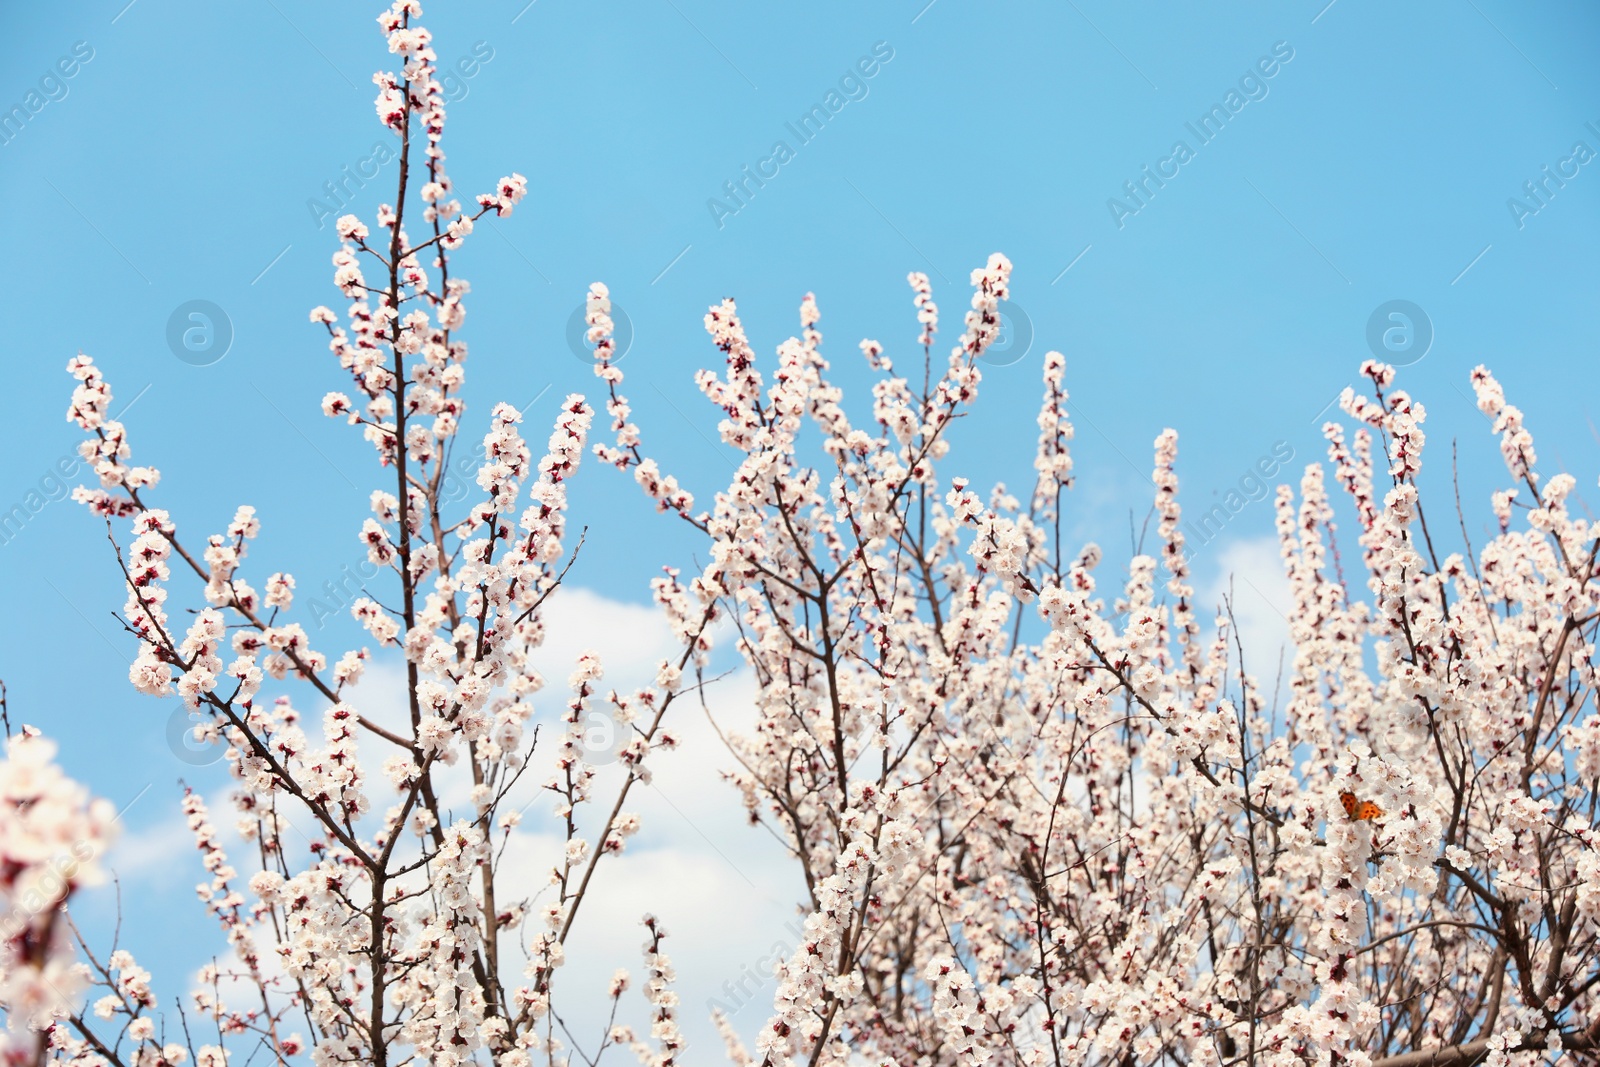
(1249, 573)
(725, 891)
(163, 853)
(631, 639)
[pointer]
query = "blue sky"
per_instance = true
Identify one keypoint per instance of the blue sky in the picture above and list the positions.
(183, 160)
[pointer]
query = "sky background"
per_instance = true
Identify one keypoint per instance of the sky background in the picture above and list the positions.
(185, 159)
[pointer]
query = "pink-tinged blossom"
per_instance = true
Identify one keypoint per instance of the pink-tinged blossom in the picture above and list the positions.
(52, 838)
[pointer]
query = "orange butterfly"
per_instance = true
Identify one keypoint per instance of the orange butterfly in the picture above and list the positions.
(1359, 810)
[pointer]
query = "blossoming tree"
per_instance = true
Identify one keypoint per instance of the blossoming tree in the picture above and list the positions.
(1038, 814)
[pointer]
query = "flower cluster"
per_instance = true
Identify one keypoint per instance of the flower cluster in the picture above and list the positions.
(1080, 833)
(1040, 813)
(52, 837)
(371, 910)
